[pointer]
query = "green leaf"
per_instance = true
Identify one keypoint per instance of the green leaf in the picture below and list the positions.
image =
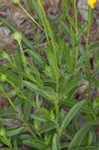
(25, 136)
(91, 137)
(5, 141)
(68, 85)
(48, 127)
(66, 28)
(36, 57)
(48, 96)
(15, 131)
(35, 144)
(82, 29)
(71, 114)
(86, 148)
(11, 75)
(55, 143)
(15, 145)
(32, 70)
(18, 60)
(94, 45)
(51, 60)
(39, 117)
(27, 108)
(70, 19)
(35, 7)
(77, 139)
(72, 102)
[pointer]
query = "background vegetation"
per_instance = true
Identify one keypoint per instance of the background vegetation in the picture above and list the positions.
(43, 81)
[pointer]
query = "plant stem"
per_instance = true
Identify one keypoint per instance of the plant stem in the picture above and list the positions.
(73, 47)
(29, 15)
(76, 29)
(22, 53)
(33, 28)
(87, 41)
(28, 6)
(87, 53)
(49, 33)
(88, 62)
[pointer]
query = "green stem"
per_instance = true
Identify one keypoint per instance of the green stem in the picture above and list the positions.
(50, 35)
(87, 54)
(43, 21)
(88, 62)
(57, 102)
(73, 47)
(33, 28)
(29, 15)
(76, 29)
(87, 41)
(22, 53)
(28, 6)
(69, 18)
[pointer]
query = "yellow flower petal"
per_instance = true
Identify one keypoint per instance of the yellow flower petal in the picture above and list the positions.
(91, 3)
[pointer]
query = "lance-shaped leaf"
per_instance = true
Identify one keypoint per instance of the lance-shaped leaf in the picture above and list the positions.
(71, 114)
(76, 141)
(55, 143)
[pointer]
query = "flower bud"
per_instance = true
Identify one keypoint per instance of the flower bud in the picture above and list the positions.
(17, 36)
(5, 55)
(3, 77)
(2, 132)
(16, 1)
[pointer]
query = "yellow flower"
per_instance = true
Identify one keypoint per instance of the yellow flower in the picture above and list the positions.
(91, 3)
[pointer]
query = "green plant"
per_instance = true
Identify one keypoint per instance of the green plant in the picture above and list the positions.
(43, 86)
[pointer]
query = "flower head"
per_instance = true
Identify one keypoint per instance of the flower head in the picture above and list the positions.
(92, 3)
